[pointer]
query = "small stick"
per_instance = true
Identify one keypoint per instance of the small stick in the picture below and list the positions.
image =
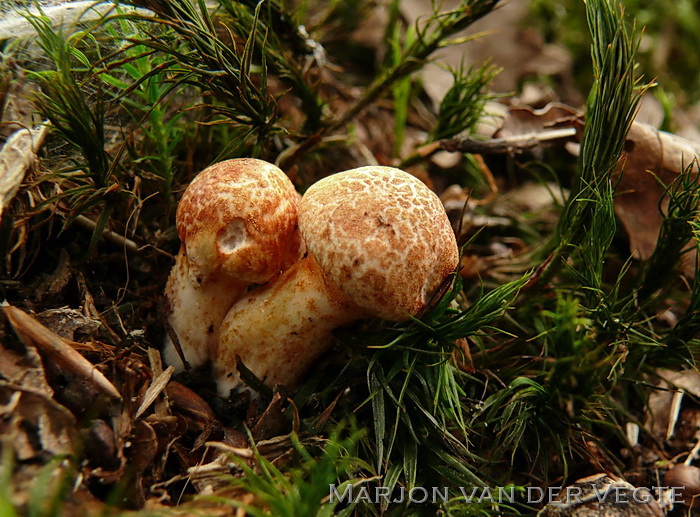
(511, 144)
(241, 452)
(157, 367)
(108, 235)
(675, 411)
(491, 180)
(632, 432)
(694, 451)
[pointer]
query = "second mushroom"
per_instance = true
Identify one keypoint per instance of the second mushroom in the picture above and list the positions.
(379, 246)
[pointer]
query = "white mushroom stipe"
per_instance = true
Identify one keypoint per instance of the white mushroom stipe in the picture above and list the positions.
(237, 222)
(379, 245)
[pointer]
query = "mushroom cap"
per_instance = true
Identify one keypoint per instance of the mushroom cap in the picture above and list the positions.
(238, 217)
(380, 236)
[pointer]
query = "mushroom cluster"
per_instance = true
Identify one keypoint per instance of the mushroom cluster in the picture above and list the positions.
(237, 223)
(375, 243)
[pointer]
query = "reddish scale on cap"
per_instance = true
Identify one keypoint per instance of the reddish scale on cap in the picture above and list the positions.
(235, 217)
(381, 236)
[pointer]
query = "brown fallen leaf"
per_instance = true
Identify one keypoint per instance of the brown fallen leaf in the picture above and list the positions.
(16, 157)
(26, 371)
(100, 445)
(34, 423)
(688, 425)
(504, 40)
(649, 152)
(524, 120)
(272, 422)
(651, 160)
(155, 389)
(69, 323)
(141, 450)
(192, 407)
(143, 446)
(57, 349)
(687, 477)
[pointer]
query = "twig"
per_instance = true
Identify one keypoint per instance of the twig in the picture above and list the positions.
(674, 412)
(693, 452)
(241, 452)
(108, 235)
(489, 178)
(433, 36)
(509, 145)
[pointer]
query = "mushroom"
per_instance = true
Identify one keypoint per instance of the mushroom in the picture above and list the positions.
(237, 222)
(379, 245)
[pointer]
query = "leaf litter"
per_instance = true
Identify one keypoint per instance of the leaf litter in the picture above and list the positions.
(80, 377)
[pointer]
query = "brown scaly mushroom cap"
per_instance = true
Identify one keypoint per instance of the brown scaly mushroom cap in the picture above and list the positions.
(379, 245)
(381, 236)
(235, 217)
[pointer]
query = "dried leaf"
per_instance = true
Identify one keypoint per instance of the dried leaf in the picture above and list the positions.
(687, 477)
(195, 410)
(141, 450)
(531, 197)
(57, 349)
(31, 418)
(26, 371)
(143, 446)
(57, 280)
(519, 51)
(651, 111)
(688, 426)
(524, 120)
(688, 380)
(69, 323)
(16, 157)
(648, 152)
(272, 422)
(651, 159)
(101, 446)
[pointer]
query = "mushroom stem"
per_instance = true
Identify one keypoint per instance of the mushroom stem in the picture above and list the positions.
(202, 305)
(304, 307)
